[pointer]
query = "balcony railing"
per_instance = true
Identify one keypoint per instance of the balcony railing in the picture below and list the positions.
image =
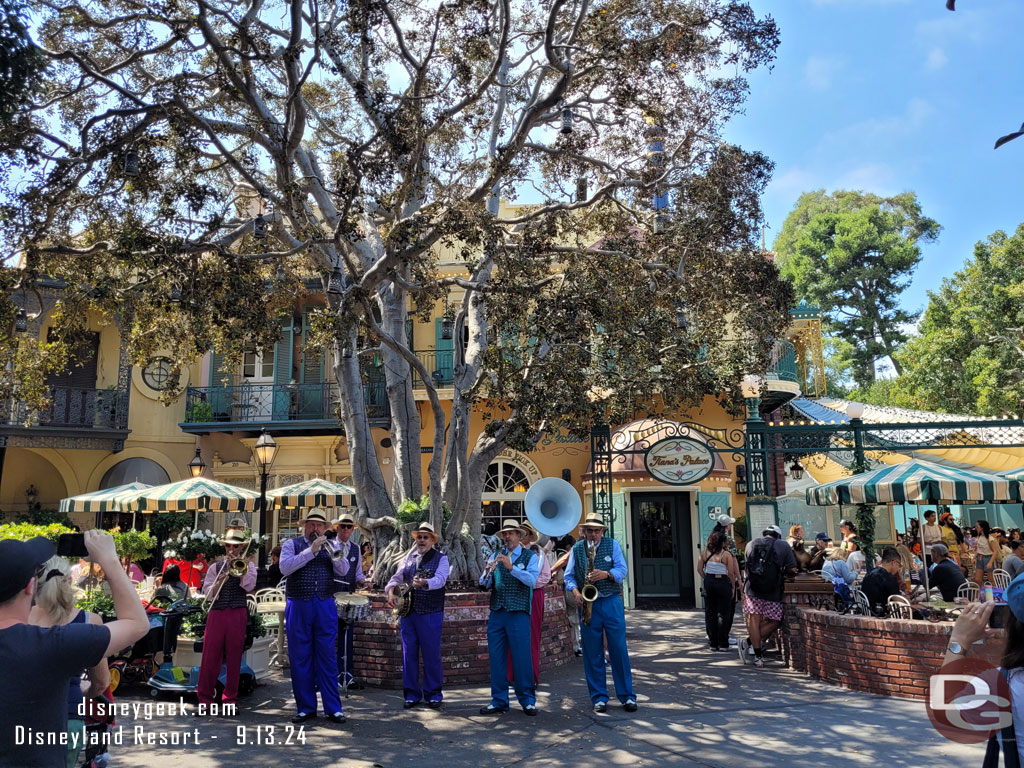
(783, 362)
(256, 403)
(71, 407)
(441, 365)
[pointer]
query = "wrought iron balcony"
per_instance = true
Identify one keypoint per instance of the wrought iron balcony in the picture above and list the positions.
(310, 405)
(440, 363)
(783, 362)
(71, 408)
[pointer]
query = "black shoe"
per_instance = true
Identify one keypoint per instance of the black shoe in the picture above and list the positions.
(491, 710)
(630, 705)
(409, 704)
(530, 711)
(302, 717)
(337, 717)
(434, 704)
(355, 685)
(714, 648)
(600, 706)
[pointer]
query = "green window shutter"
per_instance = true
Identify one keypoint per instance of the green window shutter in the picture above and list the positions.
(444, 350)
(310, 395)
(617, 531)
(219, 396)
(216, 366)
(283, 371)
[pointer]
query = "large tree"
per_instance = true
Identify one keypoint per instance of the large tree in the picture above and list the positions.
(372, 137)
(969, 354)
(852, 254)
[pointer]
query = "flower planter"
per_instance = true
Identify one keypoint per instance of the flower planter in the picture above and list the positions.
(258, 657)
(186, 656)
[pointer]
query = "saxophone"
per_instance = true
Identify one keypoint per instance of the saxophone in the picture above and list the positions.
(589, 592)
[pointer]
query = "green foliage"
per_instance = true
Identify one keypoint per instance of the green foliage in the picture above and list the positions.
(135, 545)
(26, 531)
(865, 521)
(199, 411)
(194, 625)
(969, 355)
(852, 254)
(99, 602)
(21, 62)
(45, 517)
(168, 523)
(411, 511)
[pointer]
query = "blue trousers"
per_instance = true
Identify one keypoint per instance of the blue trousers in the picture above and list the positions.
(607, 620)
(509, 631)
(312, 629)
(421, 636)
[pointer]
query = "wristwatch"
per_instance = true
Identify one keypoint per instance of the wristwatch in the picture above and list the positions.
(956, 648)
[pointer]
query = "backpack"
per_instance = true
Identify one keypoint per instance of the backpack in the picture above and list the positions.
(843, 594)
(763, 573)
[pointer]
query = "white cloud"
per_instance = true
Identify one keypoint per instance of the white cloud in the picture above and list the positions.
(945, 28)
(879, 178)
(794, 181)
(936, 59)
(820, 71)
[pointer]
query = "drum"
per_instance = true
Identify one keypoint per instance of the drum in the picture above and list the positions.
(351, 607)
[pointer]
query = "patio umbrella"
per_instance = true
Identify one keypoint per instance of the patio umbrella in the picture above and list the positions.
(313, 493)
(108, 500)
(196, 494)
(917, 482)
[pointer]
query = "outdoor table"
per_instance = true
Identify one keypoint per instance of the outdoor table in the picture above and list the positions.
(280, 658)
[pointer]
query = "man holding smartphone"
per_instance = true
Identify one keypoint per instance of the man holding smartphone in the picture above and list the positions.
(37, 663)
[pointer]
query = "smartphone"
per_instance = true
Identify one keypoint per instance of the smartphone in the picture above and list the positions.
(72, 545)
(998, 618)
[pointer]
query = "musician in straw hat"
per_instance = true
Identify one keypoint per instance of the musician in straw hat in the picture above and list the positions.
(344, 526)
(531, 539)
(224, 639)
(425, 569)
(311, 617)
(608, 616)
(511, 574)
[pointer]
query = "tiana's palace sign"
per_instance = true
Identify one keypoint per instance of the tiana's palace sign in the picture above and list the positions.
(679, 461)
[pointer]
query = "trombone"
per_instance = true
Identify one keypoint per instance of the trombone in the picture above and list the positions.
(237, 567)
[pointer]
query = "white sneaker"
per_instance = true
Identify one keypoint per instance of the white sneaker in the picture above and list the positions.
(758, 662)
(744, 646)
(733, 641)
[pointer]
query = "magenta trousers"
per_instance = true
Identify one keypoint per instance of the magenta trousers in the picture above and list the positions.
(224, 640)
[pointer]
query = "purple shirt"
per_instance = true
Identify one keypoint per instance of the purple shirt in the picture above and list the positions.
(290, 562)
(248, 581)
(436, 581)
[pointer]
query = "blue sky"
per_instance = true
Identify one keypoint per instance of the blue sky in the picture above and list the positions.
(893, 95)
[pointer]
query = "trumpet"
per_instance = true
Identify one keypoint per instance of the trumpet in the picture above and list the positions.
(338, 554)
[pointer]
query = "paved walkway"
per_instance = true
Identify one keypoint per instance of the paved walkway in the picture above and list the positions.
(696, 709)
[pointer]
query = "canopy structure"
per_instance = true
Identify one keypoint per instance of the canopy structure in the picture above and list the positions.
(313, 493)
(194, 495)
(109, 500)
(917, 482)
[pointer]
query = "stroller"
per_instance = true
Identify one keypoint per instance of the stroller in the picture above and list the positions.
(171, 678)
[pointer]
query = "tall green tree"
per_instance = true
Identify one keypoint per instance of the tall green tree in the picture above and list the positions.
(852, 254)
(969, 356)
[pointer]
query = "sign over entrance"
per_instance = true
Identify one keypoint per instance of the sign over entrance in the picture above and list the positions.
(679, 461)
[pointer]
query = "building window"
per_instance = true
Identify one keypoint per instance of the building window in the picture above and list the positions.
(160, 374)
(257, 366)
(504, 490)
(134, 470)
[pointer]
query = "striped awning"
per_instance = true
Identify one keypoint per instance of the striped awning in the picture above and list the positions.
(194, 495)
(312, 493)
(1013, 474)
(917, 481)
(109, 500)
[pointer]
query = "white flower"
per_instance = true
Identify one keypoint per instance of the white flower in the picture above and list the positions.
(197, 535)
(209, 533)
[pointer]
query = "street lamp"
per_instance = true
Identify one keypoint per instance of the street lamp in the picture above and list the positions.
(197, 466)
(860, 462)
(265, 452)
(796, 470)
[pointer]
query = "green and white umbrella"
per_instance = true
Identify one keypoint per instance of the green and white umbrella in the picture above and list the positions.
(917, 482)
(196, 494)
(109, 500)
(313, 493)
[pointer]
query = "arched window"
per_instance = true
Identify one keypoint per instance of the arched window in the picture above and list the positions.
(504, 490)
(134, 470)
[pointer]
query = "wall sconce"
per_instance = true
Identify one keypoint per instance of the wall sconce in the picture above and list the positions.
(741, 478)
(31, 494)
(796, 470)
(567, 475)
(197, 466)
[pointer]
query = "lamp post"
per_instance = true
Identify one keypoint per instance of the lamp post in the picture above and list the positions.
(265, 452)
(197, 466)
(755, 456)
(860, 463)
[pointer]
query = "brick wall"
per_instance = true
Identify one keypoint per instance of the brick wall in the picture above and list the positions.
(888, 656)
(378, 646)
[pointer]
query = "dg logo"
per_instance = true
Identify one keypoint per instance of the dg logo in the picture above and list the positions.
(969, 700)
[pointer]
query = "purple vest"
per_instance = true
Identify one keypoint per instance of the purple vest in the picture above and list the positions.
(231, 594)
(314, 580)
(425, 600)
(348, 582)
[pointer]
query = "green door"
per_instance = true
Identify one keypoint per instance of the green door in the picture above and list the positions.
(444, 364)
(663, 563)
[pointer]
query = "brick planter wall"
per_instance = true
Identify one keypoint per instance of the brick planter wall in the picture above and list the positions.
(888, 656)
(378, 646)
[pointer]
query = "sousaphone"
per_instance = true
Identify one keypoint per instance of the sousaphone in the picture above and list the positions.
(553, 507)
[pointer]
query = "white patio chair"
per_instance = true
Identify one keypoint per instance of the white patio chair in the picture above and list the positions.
(1000, 578)
(899, 607)
(861, 601)
(968, 590)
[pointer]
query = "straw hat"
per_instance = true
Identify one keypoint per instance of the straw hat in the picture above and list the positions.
(593, 521)
(315, 515)
(529, 532)
(511, 526)
(234, 536)
(426, 527)
(344, 519)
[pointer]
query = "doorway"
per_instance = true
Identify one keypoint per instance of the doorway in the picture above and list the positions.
(663, 560)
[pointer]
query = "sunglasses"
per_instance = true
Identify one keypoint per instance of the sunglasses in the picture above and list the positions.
(424, 538)
(345, 527)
